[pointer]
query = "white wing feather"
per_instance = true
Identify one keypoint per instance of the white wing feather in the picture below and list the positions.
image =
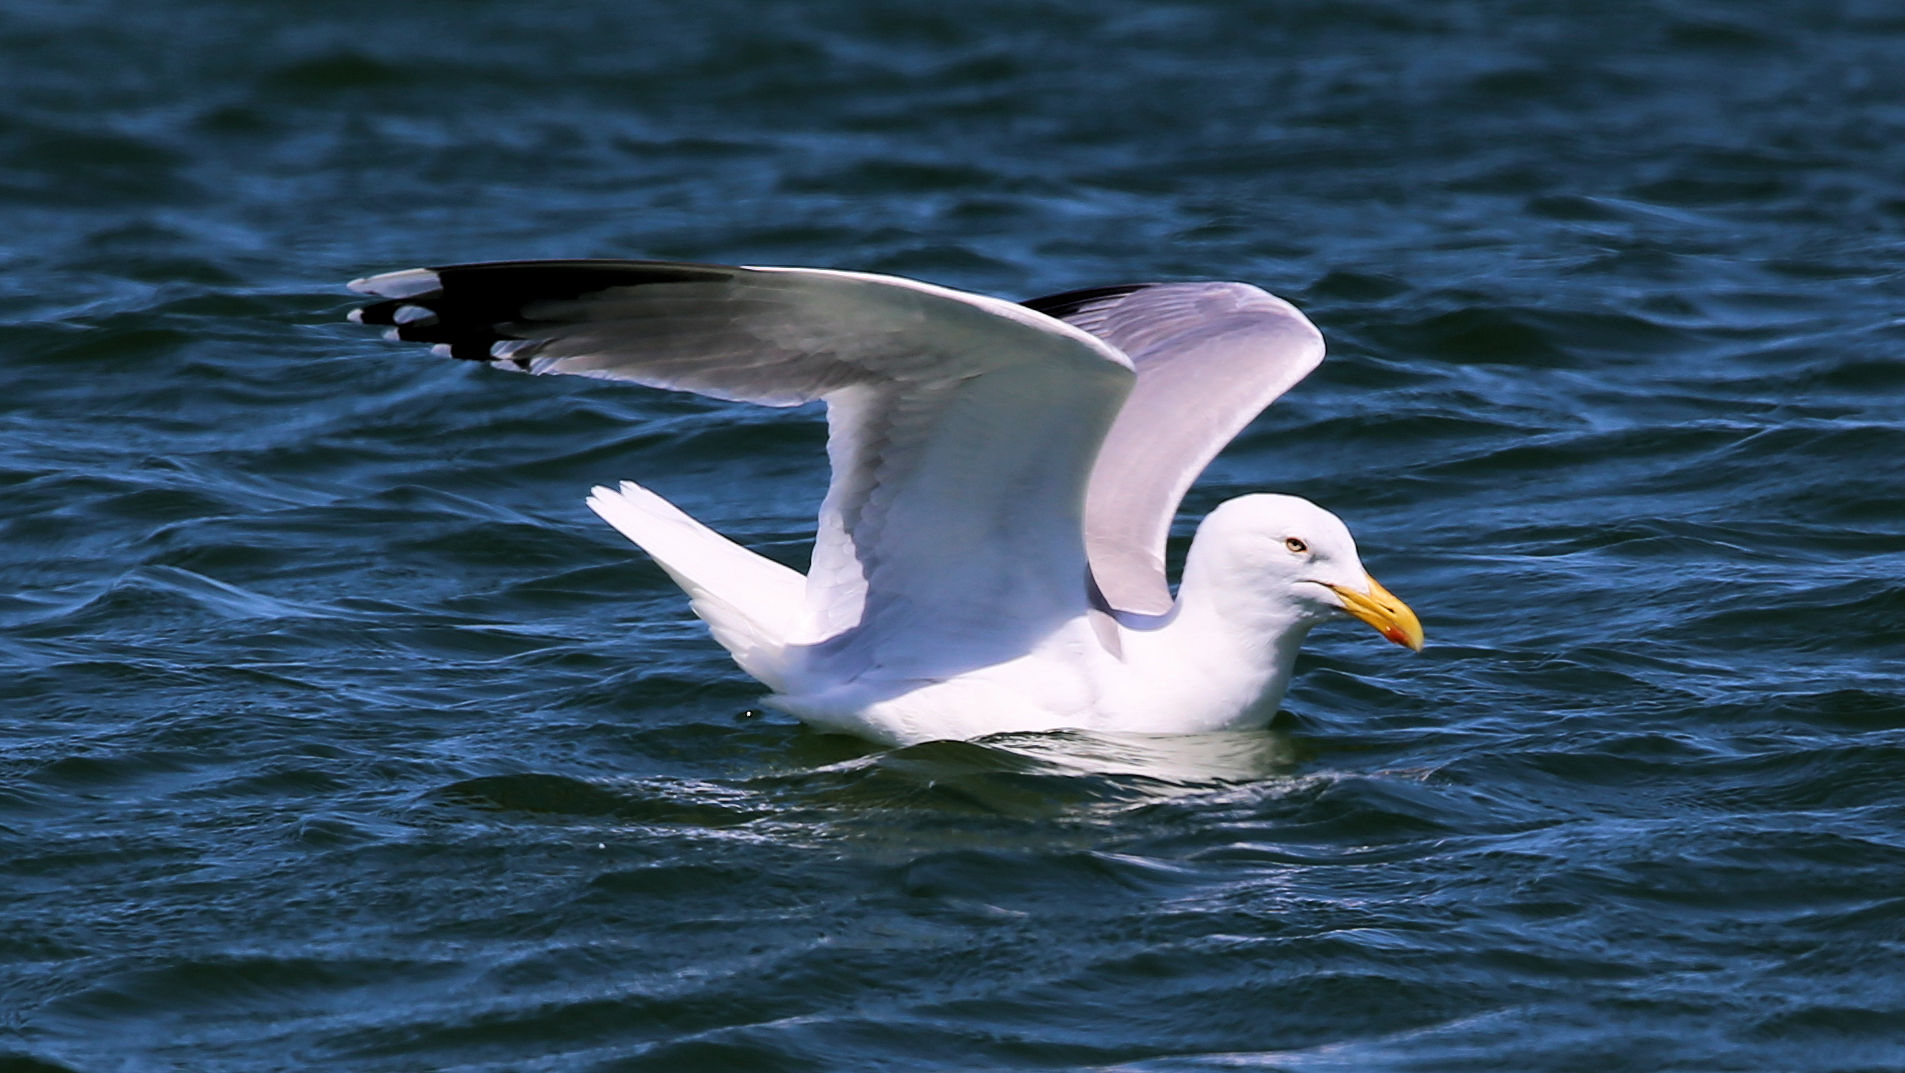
(1209, 357)
(957, 422)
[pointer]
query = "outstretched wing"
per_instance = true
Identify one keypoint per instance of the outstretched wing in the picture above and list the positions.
(1209, 357)
(962, 429)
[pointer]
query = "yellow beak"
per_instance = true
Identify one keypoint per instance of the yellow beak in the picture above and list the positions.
(1380, 608)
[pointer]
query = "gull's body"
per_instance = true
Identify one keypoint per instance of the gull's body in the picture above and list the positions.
(990, 554)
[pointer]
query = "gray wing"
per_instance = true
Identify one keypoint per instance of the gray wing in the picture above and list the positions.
(1209, 357)
(962, 429)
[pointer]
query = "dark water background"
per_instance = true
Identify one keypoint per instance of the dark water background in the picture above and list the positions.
(335, 733)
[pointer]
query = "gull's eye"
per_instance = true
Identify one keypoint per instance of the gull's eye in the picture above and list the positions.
(1297, 547)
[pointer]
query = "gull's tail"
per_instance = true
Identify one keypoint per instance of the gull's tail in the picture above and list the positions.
(752, 604)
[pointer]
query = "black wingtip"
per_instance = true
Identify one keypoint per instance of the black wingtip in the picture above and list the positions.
(1065, 304)
(383, 313)
(467, 309)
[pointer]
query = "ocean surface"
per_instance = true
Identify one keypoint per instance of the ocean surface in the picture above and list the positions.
(335, 733)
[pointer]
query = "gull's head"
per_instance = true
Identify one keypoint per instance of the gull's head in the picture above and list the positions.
(1302, 556)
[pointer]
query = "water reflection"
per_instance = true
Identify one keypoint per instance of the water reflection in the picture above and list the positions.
(1186, 761)
(1037, 776)
(826, 782)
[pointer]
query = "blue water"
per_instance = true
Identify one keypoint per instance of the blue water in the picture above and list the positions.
(336, 733)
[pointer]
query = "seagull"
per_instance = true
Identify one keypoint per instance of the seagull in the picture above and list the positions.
(990, 551)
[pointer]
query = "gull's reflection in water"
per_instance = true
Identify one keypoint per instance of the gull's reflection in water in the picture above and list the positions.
(841, 783)
(1187, 761)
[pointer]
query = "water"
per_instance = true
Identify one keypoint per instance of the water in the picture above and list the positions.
(335, 732)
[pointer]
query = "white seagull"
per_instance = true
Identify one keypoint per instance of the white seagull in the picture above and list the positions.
(990, 554)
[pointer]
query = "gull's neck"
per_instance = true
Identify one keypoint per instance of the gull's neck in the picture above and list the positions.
(1223, 655)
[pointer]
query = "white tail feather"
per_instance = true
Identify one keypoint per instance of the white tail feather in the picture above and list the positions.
(752, 604)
